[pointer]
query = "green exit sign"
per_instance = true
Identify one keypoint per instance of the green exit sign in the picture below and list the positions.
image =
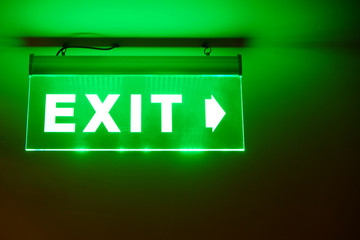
(93, 109)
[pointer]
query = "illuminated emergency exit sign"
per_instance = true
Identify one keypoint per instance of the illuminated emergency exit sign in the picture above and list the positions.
(135, 113)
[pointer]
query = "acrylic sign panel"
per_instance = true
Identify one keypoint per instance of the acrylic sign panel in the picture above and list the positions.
(135, 113)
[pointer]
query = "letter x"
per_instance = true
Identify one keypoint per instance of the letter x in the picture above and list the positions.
(102, 113)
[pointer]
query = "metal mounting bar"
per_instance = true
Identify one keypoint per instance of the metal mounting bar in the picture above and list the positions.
(135, 65)
(136, 42)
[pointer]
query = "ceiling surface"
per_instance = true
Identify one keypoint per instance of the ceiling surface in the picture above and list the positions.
(296, 20)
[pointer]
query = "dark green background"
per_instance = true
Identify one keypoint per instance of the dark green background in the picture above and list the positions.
(297, 179)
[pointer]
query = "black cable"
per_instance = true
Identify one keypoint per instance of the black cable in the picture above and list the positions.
(65, 47)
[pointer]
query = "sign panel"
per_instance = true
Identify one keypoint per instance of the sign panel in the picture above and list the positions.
(135, 113)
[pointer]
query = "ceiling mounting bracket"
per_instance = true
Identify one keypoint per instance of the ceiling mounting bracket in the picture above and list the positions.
(207, 49)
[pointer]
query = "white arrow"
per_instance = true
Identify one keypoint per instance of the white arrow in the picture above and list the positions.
(213, 113)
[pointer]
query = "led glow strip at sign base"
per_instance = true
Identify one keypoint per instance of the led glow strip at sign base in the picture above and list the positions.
(134, 112)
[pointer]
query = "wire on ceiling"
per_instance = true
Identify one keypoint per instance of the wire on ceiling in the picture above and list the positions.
(66, 46)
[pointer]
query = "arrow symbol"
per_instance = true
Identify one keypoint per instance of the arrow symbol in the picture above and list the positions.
(213, 113)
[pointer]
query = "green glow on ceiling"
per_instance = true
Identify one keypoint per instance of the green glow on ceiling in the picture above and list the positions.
(270, 20)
